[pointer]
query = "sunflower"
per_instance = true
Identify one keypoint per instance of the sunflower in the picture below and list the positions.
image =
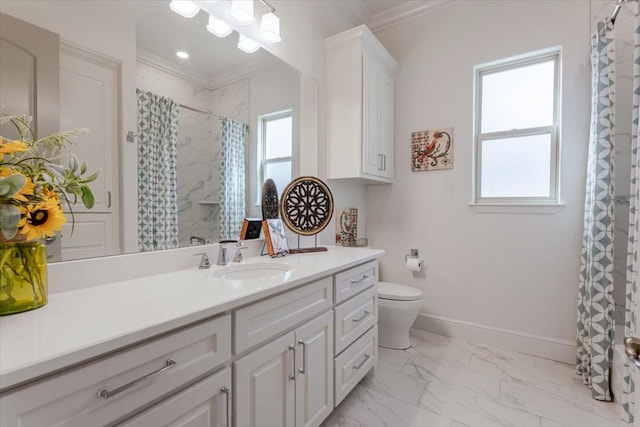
(8, 146)
(42, 220)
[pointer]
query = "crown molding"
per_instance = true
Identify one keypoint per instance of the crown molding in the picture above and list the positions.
(241, 72)
(405, 12)
(148, 58)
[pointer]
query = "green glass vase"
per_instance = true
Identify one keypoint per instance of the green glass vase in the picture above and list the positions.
(23, 276)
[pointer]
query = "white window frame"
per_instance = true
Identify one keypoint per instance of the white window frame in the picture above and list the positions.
(495, 203)
(262, 149)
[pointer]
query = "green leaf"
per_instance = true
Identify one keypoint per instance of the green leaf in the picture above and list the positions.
(87, 197)
(83, 167)
(9, 218)
(91, 177)
(11, 185)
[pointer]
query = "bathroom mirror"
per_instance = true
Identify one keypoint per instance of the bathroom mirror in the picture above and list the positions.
(110, 48)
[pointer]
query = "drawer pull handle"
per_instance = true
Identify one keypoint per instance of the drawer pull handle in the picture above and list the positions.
(292, 377)
(359, 365)
(304, 357)
(364, 316)
(227, 394)
(105, 394)
(362, 279)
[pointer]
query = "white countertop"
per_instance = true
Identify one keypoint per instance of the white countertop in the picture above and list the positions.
(82, 324)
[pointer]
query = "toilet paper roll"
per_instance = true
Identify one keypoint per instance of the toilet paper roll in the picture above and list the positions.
(414, 264)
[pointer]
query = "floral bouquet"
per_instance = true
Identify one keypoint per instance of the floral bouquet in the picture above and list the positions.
(33, 189)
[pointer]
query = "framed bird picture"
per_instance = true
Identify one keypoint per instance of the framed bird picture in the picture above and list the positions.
(432, 150)
(275, 237)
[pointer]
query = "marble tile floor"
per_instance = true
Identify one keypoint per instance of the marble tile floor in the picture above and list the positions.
(447, 382)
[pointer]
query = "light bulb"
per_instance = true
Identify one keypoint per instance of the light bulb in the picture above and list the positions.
(242, 11)
(248, 45)
(270, 28)
(218, 27)
(186, 8)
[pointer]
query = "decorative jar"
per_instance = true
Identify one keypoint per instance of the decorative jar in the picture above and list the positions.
(23, 275)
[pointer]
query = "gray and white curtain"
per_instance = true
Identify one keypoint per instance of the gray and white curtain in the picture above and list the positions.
(630, 326)
(595, 290)
(157, 176)
(232, 178)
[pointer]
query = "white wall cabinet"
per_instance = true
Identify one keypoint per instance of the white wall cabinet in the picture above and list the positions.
(289, 381)
(360, 107)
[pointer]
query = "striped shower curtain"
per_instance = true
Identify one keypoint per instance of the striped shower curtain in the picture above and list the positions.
(157, 177)
(595, 324)
(232, 178)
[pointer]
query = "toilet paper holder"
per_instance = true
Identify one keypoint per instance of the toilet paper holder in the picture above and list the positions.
(413, 254)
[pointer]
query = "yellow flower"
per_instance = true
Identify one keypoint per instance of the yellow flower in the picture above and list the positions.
(42, 220)
(7, 146)
(27, 190)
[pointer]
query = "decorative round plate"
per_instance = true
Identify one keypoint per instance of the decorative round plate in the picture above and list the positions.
(307, 205)
(270, 203)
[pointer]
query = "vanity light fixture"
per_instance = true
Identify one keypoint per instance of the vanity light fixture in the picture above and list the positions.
(185, 8)
(242, 11)
(270, 27)
(248, 45)
(182, 55)
(218, 27)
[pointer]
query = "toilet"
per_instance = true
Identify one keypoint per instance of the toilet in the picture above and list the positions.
(398, 307)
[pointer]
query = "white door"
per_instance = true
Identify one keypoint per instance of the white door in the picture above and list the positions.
(264, 385)
(89, 99)
(314, 377)
(635, 371)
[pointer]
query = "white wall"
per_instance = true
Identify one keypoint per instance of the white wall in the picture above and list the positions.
(503, 277)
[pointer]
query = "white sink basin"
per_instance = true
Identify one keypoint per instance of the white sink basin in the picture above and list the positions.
(251, 271)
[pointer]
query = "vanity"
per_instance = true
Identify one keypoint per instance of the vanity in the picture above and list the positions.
(197, 347)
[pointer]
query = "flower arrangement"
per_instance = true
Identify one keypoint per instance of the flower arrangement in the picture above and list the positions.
(33, 186)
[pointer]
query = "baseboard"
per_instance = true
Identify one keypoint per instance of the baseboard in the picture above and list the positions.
(534, 345)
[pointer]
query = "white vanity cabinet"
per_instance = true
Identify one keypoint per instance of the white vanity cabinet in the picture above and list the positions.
(360, 107)
(107, 390)
(289, 380)
(283, 360)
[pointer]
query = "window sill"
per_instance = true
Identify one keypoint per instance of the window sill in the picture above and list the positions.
(518, 208)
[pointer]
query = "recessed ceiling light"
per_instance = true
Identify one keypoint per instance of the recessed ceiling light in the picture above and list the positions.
(182, 55)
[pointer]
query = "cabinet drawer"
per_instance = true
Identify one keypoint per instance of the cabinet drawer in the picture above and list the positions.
(354, 317)
(261, 321)
(206, 403)
(355, 280)
(352, 365)
(108, 389)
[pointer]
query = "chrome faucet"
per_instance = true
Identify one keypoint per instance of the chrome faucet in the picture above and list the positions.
(205, 262)
(222, 256)
(240, 246)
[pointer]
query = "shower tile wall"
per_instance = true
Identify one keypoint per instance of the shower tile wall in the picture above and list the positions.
(198, 150)
(624, 29)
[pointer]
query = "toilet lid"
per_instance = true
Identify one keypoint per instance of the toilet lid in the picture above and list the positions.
(397, 292)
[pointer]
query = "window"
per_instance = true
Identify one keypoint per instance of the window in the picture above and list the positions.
(516, 134)
(275, 142)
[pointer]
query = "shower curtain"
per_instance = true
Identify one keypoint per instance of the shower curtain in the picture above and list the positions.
(157, 179)
(630, 328)
(595, 324)
(232, 178)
